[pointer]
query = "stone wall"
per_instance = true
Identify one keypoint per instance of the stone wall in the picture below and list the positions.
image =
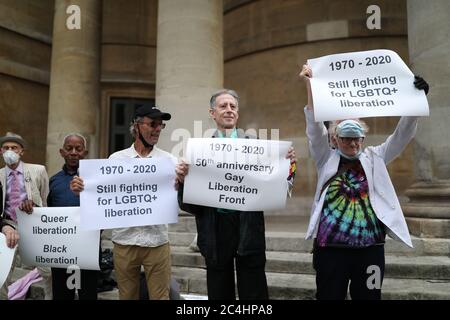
(25, 50)
(265, 44)
(128, 56)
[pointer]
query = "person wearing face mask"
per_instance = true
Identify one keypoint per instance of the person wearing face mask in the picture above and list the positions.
(24, 185)
(355, 204)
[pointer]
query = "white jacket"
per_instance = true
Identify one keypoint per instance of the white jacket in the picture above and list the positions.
(382, 195)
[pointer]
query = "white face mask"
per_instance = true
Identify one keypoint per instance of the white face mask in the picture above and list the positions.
(10, 157)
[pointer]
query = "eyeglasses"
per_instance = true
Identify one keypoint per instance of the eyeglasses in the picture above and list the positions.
(154, 124)
(346, 140)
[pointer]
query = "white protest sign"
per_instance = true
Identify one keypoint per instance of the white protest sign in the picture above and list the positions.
(52, 237)
(239, 174)
(6, 259)
(364, 84)
(128, 192)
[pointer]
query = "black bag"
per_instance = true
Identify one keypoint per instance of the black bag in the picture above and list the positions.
(105, 282)
(106, 260)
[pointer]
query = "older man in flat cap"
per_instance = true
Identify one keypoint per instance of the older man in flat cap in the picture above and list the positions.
(25, 185)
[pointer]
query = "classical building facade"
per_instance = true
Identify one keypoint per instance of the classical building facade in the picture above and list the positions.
(175, 53)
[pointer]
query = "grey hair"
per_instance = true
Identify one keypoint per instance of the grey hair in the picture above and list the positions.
(212, 101)
(75, 134)
(333, 125)
(133, 131)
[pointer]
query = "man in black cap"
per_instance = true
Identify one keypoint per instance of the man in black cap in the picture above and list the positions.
(146, 246)
(25, 185)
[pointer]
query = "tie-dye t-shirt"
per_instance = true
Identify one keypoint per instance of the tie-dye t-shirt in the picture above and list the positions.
(347, 218)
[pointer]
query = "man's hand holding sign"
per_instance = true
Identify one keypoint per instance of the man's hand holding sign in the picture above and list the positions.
(6, 257)
(11, 234)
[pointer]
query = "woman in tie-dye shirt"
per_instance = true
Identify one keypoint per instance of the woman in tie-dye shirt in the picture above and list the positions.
(355, 203)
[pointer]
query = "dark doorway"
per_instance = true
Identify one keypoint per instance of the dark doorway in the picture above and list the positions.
(122, 111)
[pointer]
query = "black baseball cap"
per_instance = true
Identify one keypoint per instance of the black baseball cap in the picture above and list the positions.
(151, 112)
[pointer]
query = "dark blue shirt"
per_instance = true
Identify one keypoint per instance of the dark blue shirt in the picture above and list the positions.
(60, 194)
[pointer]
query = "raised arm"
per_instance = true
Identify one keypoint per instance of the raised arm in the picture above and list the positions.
(316, 131)
(306, 75)
(404, 132)
(397, 141)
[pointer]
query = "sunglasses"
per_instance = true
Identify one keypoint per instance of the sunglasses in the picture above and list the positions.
(154, 124)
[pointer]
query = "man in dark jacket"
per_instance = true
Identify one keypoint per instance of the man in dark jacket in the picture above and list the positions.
(73, 150)
(227, 236)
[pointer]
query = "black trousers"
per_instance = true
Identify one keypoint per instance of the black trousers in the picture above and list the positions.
(251, 277)
(336, 267)
(88, 285)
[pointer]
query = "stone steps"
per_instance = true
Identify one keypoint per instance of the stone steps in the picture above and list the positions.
(419, 273)
(422, 267)
(302, 286)
(182, 234)
(290, 276)
(422, 272)
(284, 286)
(295, 242)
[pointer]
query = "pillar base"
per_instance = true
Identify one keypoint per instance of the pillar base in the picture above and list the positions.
(428, 211)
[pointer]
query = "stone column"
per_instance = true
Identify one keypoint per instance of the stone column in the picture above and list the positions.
(428, 212)
(189, 66)
(75, 78)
